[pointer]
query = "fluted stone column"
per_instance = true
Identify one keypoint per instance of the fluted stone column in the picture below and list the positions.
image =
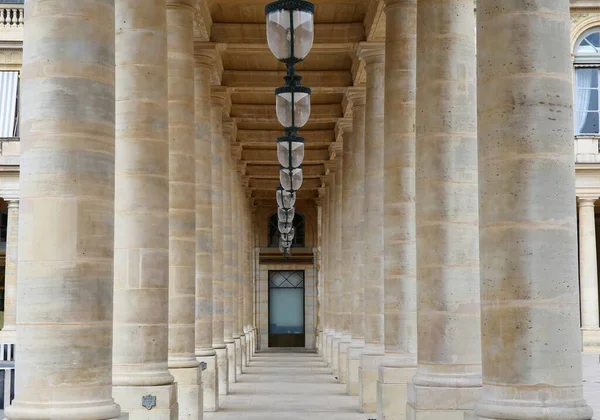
(373, 54)
(345, 268)
(218, 100)
(141, 289)
(235, 234)
(319, 270)
(355, 231)
(10, 271)
(182, 208)
(228, 275)
(204, 59)
(330, 279)
(400, 285)
(64, 325)
(530, 302)
(588, 274)
(448, 380)
(336, 236)
(241, 271)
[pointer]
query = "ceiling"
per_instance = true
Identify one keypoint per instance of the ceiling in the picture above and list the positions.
(251, 73)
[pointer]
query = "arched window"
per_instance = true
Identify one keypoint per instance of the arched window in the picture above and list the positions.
(587, 71)
(299, 229)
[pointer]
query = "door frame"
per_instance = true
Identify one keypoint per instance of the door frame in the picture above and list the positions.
(270, 335)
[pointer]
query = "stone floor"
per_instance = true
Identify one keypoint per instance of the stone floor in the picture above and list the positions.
(591, 381)
(288, 386)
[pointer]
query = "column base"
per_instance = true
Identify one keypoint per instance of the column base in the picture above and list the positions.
(244, 349)
(222, 370)
(8, 336)
(27, 410)
(210, 381)
(343, 359)
(441, 403)
(392, 387)
(335, 354)
(368, 372)
(189, 392)
(548, 409)
(231, 362)
(353, 367)
(590, 338)
(130, 399)
(238, 356)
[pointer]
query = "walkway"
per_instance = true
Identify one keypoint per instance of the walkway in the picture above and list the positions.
(288, 386)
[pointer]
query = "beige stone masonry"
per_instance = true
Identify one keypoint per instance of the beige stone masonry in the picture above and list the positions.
(64, 305)
(531, 342)
(204, 59)
(219, 97)
(182, 208)
(448, 380)
(141, 293)
(373, 54)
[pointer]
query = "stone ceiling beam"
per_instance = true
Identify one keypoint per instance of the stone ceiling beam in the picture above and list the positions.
(272, 184)
(256, 33)
(273, 79)
(266, 113)
(272, 171)
(264, 138)
(269, 156)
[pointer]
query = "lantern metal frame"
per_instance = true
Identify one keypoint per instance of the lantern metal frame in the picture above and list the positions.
(290, 6)
(291, 138)
(293, 188)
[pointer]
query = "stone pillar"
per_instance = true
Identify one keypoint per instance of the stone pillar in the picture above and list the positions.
(330, 279)
(588, 274)
(373, 54)
(319, 270)
(530, 301)
(64, 304)
(204, 224)
(228, 275)
(141, 289)
(400, 285)
(235, 258)
(355, 231)
(448, 380)
(241, 271)
(336, 237)
(345, 267)
(10, 272)
(182, 208)
(218, 100)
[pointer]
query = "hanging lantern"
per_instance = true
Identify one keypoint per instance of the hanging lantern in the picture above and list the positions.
(290, 29)
(284, 227)
(290, 150)
(293, 105)
(291, 179)
(285, 199)
(286, 215)
(288, 236)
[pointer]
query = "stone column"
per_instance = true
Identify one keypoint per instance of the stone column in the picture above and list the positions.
(182, 208)
(373, 54)
(355, 230)
(235, 258)
(330, 276)
(65, 267)
(228, 275)
(204, 224)
(218, 100)
(588, 274)
(241, 271)
(10, 272)
(400, 254)
(319, 265)
(530, 302)
(141, 289)
(448, 380)
(336, 237)
(345, 267)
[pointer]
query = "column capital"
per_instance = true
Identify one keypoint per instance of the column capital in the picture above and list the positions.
(586, 201)
(174, 4)
(12, 202)
(371, 52)
(219, 96)
(394, 3)
(357, 95)
(343, 126)
(208, 54)
(230, 129)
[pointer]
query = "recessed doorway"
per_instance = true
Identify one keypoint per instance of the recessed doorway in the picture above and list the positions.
(286, 309)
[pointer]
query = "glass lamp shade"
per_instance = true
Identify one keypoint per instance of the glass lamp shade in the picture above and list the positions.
(288, 236)
(290, 29)
(291, 179)
(290, 151)
(286, 215)
(292, 105)
(285, 199)
(284, 227)
(284, 243)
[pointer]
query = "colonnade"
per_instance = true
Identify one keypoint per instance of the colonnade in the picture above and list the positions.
(134, 283)
(465, 294)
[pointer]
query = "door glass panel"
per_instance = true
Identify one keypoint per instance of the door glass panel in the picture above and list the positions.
(287, 312)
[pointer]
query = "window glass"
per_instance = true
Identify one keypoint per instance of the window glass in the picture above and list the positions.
(587, 100)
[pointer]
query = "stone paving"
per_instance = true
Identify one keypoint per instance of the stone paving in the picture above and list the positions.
(591, 381)
(288, 386)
